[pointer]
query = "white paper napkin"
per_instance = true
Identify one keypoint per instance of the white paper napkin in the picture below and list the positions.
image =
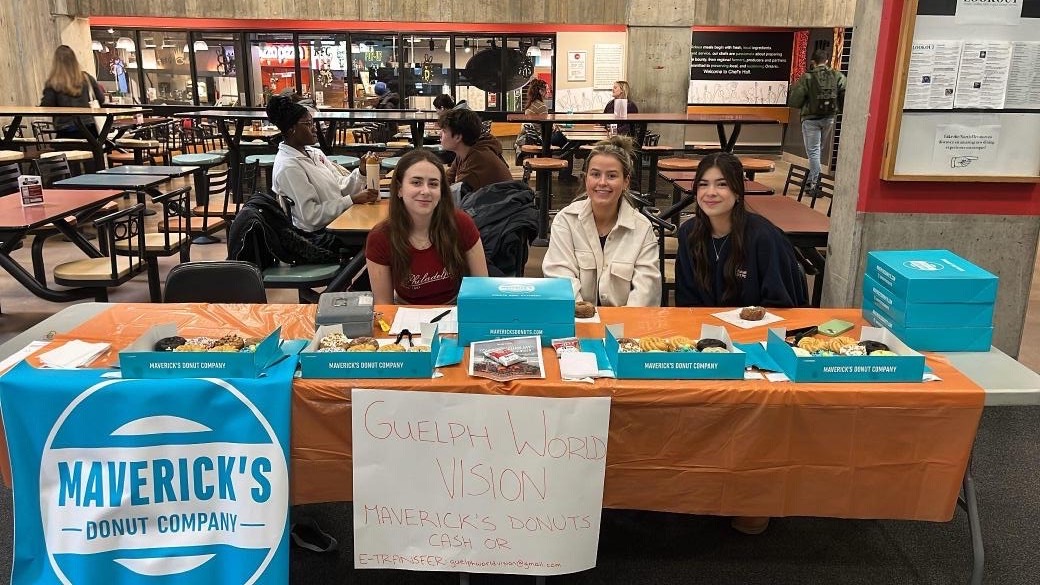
(733, 318)
(74, 354)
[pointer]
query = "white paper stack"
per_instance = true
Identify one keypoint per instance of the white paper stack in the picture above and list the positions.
(74, 354)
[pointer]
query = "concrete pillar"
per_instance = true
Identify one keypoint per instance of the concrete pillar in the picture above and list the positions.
(31, 33)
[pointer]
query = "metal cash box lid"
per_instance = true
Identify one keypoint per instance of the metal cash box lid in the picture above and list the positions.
(353, 310)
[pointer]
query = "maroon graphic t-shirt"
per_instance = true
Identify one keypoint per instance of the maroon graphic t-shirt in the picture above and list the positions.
(429, 283)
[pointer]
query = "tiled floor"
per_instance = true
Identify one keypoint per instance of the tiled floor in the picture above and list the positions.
(21, 310)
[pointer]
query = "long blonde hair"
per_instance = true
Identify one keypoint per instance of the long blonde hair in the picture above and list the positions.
(66, 76)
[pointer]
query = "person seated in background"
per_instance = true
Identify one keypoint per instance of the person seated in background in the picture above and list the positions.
(302, 174)
(445, 102)
(729, 256)
(478, 157)
(600, 242)
(420, 253)
(530, 133)
(388, 100)
(623, 91)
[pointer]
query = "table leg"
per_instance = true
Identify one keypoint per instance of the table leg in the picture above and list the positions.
(345, 276)
(12, 131)
(418, 133)
(728, 145)
(970, 503)
(543, 182)
(25, 279)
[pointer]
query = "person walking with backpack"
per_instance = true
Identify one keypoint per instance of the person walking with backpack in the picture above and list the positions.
(819, 94)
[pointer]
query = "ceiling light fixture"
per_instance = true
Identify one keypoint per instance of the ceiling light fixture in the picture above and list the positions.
(465, 45)
(96, 46)
(534, 51)
(125, 43)
(431, 45)
(200, 45)
(184, 49)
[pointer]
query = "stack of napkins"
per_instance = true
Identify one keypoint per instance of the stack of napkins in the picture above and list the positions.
(74, 354)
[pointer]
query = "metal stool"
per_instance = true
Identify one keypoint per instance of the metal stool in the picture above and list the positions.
(265, 161)
(756, 165)
(677, 163)
(543, 169)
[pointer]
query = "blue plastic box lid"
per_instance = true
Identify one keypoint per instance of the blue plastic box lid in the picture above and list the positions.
(516, 300)
(931, 276)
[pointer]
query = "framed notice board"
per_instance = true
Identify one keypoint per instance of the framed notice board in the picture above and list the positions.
(966, 93)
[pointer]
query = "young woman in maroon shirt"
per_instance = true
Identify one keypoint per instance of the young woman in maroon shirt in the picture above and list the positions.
(422, 251)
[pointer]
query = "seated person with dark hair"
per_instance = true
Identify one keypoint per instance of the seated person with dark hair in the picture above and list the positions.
(478, 157)
(445, 102)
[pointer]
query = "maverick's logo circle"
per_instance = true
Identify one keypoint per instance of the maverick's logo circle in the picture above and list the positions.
(923, 265)
(516, 288)
(193, 485)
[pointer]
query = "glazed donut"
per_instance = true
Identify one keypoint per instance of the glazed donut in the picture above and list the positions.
(655, 344)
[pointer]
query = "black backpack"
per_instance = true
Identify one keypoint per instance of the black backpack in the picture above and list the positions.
(263, 234)
(823, 92)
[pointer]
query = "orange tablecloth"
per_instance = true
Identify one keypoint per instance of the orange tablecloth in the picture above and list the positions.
(711, 447)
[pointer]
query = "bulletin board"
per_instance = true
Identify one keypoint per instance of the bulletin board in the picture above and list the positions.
(966, 93)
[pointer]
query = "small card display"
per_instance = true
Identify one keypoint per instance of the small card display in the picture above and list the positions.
(31, 189)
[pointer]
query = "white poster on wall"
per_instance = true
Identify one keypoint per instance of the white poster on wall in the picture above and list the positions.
(737, 92)
(607, 65)
(932, 75)
(983, 76)
(1007, 12)
(1023, 89)
(476, 483)
(577, 65)
(967, 150)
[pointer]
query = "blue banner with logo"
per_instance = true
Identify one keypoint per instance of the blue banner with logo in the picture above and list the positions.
(170, 482)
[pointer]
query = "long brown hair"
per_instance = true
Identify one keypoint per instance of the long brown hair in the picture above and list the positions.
(536, 89)
(700, 238)
(66, 76)
(444, 233)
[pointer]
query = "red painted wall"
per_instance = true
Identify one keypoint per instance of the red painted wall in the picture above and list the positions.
(876, 195)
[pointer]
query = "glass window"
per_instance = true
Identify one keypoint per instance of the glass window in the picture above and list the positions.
(273, 65)
(217, 67)
(534, 56)
(427, 70)
(376, 60)
(116, 63)
(167, 71)
(324, 69)
(478, 71)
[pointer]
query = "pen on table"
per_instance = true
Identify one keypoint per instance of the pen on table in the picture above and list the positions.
(441, 316)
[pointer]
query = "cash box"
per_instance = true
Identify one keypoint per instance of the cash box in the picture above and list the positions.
(906, 366)
(676, 365)
(493, 308)
(140, 360)
(352, 310)
(931, 276)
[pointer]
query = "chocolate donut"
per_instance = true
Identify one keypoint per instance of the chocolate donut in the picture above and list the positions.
(709, 342)
(169, 343)
(584, 309)
(872, 346)
(752, 313)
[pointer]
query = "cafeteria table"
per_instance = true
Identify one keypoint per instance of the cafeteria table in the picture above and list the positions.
(141, 185)
(98, 143)
(742, 447)
(58, 205)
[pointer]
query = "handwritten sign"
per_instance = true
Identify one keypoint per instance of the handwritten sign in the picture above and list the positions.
(477, 484)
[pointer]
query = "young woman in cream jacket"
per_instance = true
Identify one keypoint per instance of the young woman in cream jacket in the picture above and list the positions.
(601, 242)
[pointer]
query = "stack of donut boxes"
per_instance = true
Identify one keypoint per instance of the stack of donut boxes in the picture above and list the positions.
(932, 300)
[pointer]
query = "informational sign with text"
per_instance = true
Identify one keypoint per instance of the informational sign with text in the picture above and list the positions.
(477, 484)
